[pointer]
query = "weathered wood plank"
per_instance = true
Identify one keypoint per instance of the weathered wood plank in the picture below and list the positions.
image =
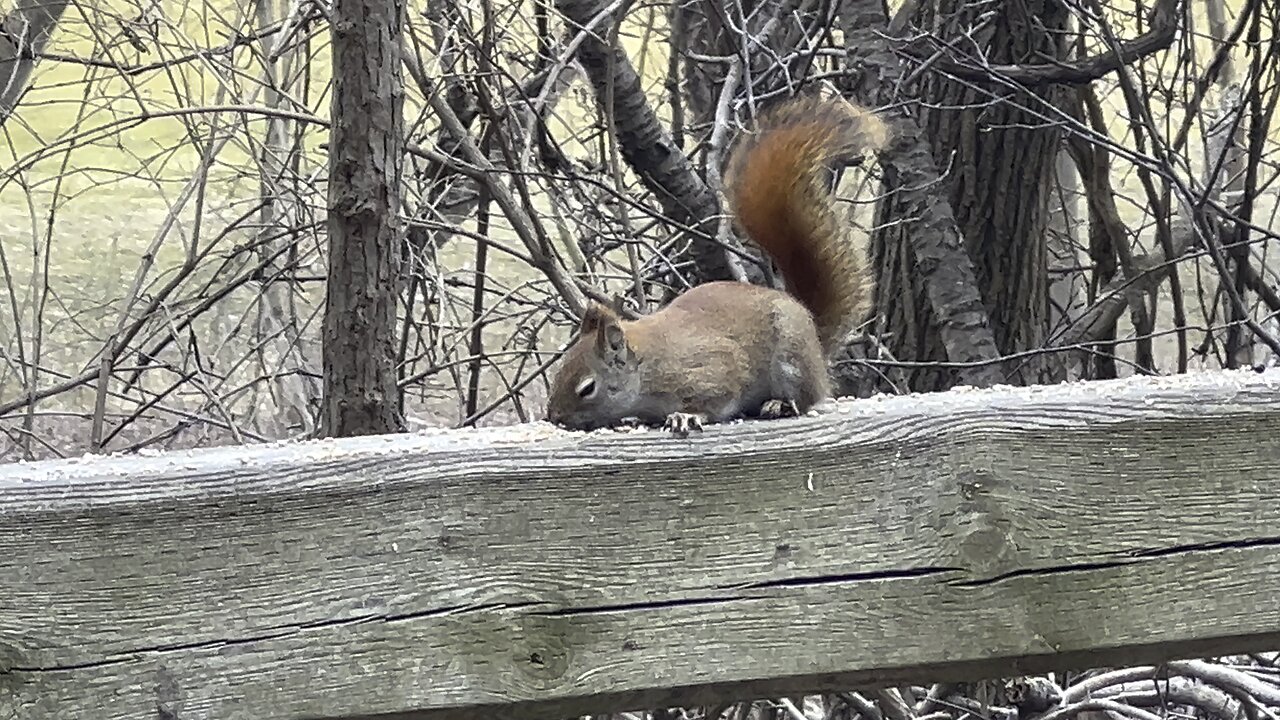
(960, 535)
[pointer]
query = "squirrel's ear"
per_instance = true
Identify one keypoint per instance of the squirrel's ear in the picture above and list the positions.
(595, 317)
(611, 343)
(603, 325)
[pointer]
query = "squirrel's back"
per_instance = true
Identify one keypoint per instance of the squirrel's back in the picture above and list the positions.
(779, 189)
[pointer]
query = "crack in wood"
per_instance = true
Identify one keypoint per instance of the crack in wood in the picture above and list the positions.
(639, 606)
(835, 579)
(1206, 547)
(1041, 571)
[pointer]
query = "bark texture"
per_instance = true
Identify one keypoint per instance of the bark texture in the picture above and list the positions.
(365, 159)
(938, 282)
(997, 161)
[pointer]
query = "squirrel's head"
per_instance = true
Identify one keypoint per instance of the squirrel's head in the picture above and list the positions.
(599, 380)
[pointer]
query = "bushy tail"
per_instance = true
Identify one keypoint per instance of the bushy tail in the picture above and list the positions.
(778, 186)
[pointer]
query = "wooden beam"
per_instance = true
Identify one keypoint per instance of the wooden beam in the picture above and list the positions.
(530, 572)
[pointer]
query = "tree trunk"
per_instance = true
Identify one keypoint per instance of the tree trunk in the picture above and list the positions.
(777, 33)
(998, 163)
(1226, 161)
(366, 151)
(939, 267)
(280, 344)
(770, 46)
(646, 145)
(24, 33)
(1068, 282)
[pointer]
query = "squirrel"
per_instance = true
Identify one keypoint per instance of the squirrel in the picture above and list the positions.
(725, 349)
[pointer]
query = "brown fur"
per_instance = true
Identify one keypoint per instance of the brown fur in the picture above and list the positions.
(781, 199)
(726, 349)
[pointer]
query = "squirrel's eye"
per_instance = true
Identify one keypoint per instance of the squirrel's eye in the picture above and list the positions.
(587, 388)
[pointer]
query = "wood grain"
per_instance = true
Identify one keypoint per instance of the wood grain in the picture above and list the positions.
(529, 572)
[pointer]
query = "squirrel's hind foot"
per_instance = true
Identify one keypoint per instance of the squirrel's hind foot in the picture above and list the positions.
(681, 423)
(775, 409)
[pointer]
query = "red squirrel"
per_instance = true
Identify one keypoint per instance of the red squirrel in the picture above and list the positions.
(723, 350)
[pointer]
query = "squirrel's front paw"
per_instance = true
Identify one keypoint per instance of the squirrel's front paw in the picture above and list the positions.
(774, 409)
(681, 423)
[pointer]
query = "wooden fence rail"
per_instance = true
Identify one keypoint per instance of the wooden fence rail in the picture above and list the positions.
(533, 573)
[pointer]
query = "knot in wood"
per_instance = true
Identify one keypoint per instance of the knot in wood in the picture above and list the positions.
(543, 652)
(983, 544)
